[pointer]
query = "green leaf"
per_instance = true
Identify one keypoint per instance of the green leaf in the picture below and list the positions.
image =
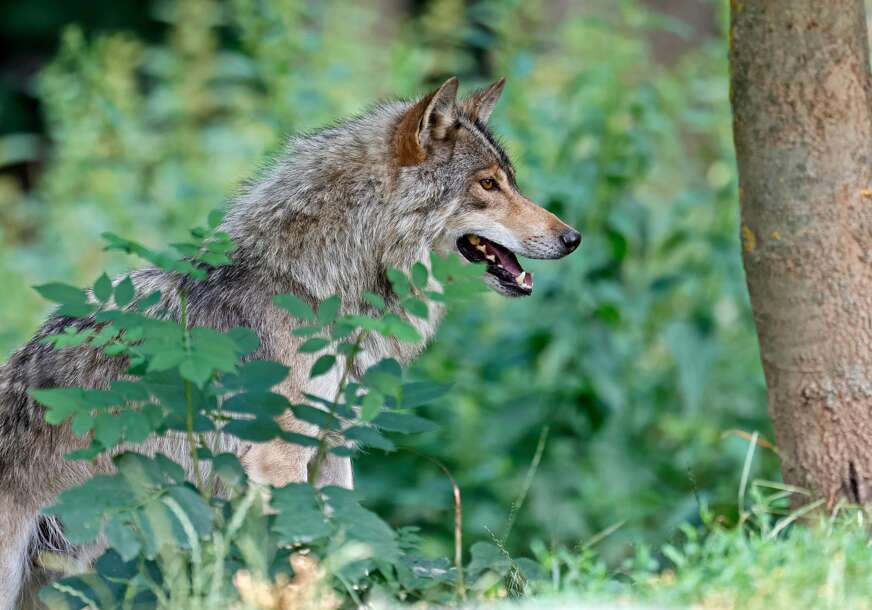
(372, 405)
(384, 376)
(421, 393)
(195, 370)
(374, 299)
(487, 556)
(419, 276)
(368, 436)
(124, 292)
(215, 348)
(166, 360)
(261, 374)
(171, 469)
(256, 403)
(228, 468)
(137, 427)
(246, 340)
(83, 422)
(299, 518)
(315, 344)
(130, 390)
(258, 430)
(416, 307)
(152, 298)
(366, 322)
(70, 337)
(316, 416)
(62, 293)
(111, 428)
(215, 218)
(341, 330)
(295, 306)
(305, 331)
(300, 439)
(76, 310)
(328, 310)
(123, 539)
(83, 508)
(532, 570)
(106, 334)
(361, 525)
(88, 453)
(399, 282)
(404, 422)
(62, 403)
(195, 508)
(399, 328)
(160, 528)
(322, 365)
(110, 566)
(108, 430)
(452, 268)
(103, 288)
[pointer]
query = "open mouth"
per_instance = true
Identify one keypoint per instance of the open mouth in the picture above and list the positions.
(502, 263)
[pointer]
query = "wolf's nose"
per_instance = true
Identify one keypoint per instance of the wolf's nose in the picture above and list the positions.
(570, 239)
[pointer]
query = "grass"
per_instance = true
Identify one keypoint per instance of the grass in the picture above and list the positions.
(768, 556)
(824, 564)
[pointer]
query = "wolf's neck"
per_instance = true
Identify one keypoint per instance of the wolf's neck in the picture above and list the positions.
(325, 220)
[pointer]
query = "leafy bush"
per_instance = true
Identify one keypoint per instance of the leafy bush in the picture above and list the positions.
(177, 531)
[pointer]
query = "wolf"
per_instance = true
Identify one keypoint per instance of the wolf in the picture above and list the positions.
(336, 210)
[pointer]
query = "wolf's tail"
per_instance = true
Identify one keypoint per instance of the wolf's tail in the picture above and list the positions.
(17, 530)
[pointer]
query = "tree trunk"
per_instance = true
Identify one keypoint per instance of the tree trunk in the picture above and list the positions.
(800, 90)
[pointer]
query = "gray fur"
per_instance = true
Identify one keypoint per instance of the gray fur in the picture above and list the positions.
(330, 216)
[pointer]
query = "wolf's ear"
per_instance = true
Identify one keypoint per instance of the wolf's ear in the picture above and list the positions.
(424, 122)
(480, 104)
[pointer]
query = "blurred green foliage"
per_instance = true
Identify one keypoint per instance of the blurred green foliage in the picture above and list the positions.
(635, 356)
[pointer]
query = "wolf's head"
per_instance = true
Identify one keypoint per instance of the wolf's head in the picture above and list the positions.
(442, 144)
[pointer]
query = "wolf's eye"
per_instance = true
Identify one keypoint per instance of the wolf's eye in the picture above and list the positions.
(488, 184)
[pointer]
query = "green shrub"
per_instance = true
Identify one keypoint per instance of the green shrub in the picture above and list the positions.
(176, 539)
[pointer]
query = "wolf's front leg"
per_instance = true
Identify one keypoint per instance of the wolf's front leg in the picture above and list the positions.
(278, 463)
(335, 470)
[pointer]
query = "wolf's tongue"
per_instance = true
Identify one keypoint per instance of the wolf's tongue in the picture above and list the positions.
(505, 259)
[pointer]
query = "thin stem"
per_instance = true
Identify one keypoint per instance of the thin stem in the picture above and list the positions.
(458, 531)
(528, 481)
(321, 453)
(162, 600)
(458, 522)
(189, 403)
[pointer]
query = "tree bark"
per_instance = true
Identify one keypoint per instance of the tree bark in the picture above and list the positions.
(801, 95)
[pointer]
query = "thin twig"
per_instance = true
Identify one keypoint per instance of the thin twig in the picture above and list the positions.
(528, 481)
(458, 522)
(189, 404)
(321, 453)
(603, 534)
(762, 442)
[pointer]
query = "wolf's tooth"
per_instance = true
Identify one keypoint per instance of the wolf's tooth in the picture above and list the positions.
(482, 248)
(490, 257)
(473, 239)
(520, 278)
